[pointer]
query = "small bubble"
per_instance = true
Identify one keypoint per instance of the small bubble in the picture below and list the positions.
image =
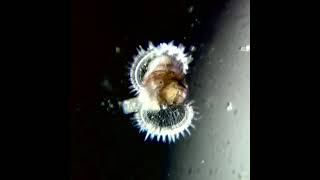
(202, 162)
(229, 106)
(197, 21)
(117, 50)
(111, 105)
(192, 48)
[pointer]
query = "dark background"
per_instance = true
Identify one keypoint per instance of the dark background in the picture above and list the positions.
(104, 144)
(36, 61)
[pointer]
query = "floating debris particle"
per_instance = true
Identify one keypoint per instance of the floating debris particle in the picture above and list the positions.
(193, 48)
(197, 21)
(229, 106)
(202, 162)
(190, 9)
(106, 84)
(245, 48)
(117, 50)
(192, 25)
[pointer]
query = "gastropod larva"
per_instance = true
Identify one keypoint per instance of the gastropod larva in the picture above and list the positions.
(161, 105)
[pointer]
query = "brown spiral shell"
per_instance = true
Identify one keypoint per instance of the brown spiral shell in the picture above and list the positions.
(166, 82)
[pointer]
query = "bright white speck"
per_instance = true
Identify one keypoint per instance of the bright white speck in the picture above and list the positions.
(190, 9)
(117, 50)
(130, 105)
(229, 106)
(192, 48)
(245, 48)
(111, 105)
(202, 162)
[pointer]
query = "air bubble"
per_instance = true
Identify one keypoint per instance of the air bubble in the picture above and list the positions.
(229, 106)
(197, 21)
(192, 48)
(111, 105)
